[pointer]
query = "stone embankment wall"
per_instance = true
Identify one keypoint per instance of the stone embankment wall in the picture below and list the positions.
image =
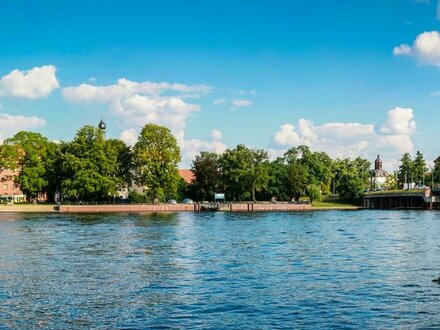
(125, 208)
(229, 207)
(264, 207)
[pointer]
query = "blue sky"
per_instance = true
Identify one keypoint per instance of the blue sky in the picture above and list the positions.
(269, 74)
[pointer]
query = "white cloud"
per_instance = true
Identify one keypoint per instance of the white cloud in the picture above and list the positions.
(35, 83)
(426, 49)
(216, 134)
(129, 136)
(219, 101)
(402, 50)
(135, 104)
(241, 103)
(9, 124)
(399, 122)
(125, 88)
(287, 136)
(191, 148)
(351, 139)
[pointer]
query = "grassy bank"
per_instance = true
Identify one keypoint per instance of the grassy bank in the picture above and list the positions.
(25, 208)
(333, 202)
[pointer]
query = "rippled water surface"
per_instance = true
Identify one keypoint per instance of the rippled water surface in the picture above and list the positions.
(358, 269)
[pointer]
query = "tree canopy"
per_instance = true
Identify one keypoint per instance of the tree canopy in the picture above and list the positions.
(156, 156)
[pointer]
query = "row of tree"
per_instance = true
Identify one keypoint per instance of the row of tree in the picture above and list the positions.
(91, 167)
(415, 171)
(248, 174)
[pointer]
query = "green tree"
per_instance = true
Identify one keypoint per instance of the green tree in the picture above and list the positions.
(313, 192)
(90, 167)
(156, 156)
(296, 180)
(276, 185)
(31, 157)
(404, 174)
(350, 177)
(419, 168)
(318, 165)
(244, 171)
(206, 169)
(8, 157)
(391, 182)
(436, 171)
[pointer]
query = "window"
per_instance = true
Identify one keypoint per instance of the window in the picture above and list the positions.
(5, 186)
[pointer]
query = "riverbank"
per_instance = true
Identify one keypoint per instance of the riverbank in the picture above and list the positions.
(27, 208)
(167, 208)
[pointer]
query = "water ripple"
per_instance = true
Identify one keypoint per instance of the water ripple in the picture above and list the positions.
(332, 269)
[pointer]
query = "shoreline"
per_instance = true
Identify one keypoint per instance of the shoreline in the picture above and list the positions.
(164, 208)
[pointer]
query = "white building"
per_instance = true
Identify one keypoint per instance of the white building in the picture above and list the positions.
(378, 175)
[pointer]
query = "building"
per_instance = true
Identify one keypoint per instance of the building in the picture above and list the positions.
(9, 190)
(187, 175)
(378, 175)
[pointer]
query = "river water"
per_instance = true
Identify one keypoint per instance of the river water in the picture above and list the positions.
(345, 269)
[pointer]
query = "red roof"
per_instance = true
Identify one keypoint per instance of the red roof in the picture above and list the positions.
(187, 175)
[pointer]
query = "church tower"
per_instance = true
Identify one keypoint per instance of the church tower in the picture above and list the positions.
(378, 163)
(102, 126)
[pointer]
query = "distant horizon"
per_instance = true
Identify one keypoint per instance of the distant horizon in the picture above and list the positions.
(350, 79)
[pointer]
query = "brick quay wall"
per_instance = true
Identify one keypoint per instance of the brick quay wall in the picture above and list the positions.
(155, 208)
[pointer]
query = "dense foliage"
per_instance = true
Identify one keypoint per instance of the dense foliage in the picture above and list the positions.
(247, 174)
(156, 157)
(92, 168)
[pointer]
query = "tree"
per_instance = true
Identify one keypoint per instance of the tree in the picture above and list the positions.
(276, 185)
(436, 171)
(313, 192)
(405, 170)
(419, 168)
(351, 177)
(31, 155)
(8, 157)
(156, 156)
(244, 171)
(206, 169)
(297, 180)
(391, 182)
(317, 165)
(91, 168)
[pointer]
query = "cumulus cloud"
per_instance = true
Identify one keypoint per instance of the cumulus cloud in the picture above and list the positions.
(129, 136)
(400, 121)
(125, 88)
(241, 103)
(135, 104)
(391, 139)
(9, 124)
(192, 147)
(425, 49)
(36, 83)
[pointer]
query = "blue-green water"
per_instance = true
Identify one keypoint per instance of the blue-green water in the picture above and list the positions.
(358, 269)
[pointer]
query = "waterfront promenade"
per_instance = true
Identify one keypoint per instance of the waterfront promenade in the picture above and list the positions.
(152, 208)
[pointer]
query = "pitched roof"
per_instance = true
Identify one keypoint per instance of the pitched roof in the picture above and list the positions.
(187, 175)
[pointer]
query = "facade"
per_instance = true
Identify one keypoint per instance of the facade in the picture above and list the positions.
(9, 191)
(378, 175)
